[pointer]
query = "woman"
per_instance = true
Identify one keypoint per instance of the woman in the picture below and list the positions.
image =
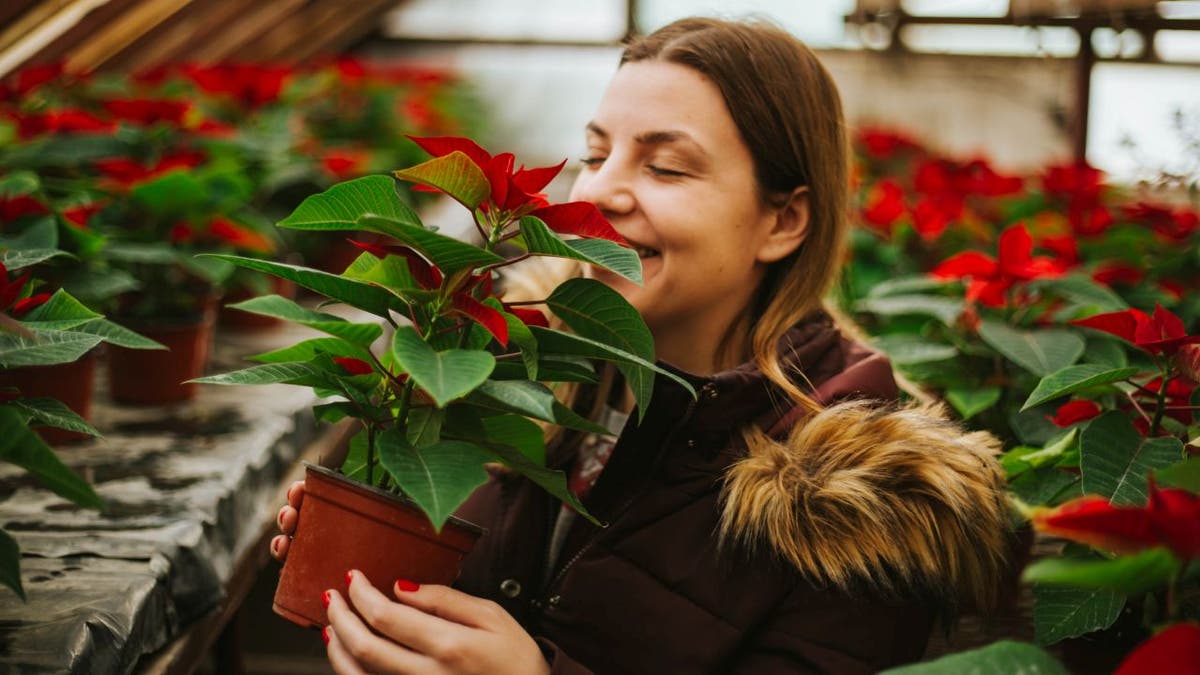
(780, 523)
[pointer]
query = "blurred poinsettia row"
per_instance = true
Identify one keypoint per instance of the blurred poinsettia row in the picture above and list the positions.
(1059, 311)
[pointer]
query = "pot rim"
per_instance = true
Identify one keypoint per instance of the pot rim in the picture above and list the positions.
(371, 489)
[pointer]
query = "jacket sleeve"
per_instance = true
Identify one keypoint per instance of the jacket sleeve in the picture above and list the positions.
(560, 663)
(832, 633)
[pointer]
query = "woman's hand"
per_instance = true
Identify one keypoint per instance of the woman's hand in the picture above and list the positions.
(286, 520)
(432, 629)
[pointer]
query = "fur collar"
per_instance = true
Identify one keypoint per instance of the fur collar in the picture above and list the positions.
(898, 500)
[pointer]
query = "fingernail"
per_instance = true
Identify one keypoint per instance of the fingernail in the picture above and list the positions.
(325, 634)
(274, 546)
(349, 577)
(407, 586)
(325, 599)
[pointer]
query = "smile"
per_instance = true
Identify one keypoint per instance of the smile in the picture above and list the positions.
(644, 252)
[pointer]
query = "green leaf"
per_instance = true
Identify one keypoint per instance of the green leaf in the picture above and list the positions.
(53, 413)
(946, 310)
(455, 174)
(18, 184)
(60, 312)
(1115, 459)
(306, 374)
(560, 344)
(550, 480)
(134, 252)
(425, 426)
(340, 207)
(531, 399)
(354, 293)
(21, 446)
(438, 477)
(511, 430)
(1131, 574)
(362, 334)
(1061, 613)
(1185, 475)
(391, 273)
(307, 350)
(1075, 378)
(10, 564)
(45, 348)
(1084, 291)
(1041, 351)
(444, 375)
(597, 312)
(1040, 486)
(908, 286)
(905, 350)
(999, 658)
(550, 369)
(334, 412)
(449, 254)
(541, 240)
(520, 335)
(17, 259)
(116, 334)
(971, 402)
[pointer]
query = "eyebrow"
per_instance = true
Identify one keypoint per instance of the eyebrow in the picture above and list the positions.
(661, 137)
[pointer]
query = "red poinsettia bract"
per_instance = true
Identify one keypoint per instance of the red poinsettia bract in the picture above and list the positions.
(1170, 518)
(990, 278)
(354, 366)
(252, 85)
(1175, 650)
(1075, 412)
(516, 192)
(1163, 333)
(10, 291)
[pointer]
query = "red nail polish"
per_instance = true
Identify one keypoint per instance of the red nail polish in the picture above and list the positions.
(274, 546)
(349, 577)
(407, 586)
(325, 599)
(325, 634)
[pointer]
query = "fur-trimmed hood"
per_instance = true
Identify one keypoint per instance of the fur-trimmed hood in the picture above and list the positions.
(896, 499)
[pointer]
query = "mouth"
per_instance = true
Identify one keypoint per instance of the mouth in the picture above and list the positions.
(645, 252)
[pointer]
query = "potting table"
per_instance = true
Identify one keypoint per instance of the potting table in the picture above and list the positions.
(192, 491)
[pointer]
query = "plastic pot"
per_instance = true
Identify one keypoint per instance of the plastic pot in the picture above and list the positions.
(155, 376)
(71, 383)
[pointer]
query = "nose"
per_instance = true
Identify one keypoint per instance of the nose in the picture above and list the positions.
(606, 186)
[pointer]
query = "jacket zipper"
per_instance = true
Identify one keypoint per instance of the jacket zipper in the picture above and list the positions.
(687, 416)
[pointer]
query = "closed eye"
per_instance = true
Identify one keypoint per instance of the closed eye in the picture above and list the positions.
(660, 171)
(591, 161)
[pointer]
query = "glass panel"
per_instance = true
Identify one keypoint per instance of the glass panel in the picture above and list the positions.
(818, 22)
(1178, 45)
(1132, 129)
(1000, 40)
(955, 7)
(581, 20)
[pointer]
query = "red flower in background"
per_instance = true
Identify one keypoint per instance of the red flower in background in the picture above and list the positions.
(10, 291)
(934, 213)
(1187, 359)
(1175, 650)
(883, 144)
(125, 172)
(252, 85)
(354, 366)
(65, 120)
(80, 215)
(145, 111)
(1118, 273)
(1171, 518)
(517, 191)
(1073, 181)
(12, 208)
(1163, 333)
(29, 79)
(885, 204)
(239, 236)
(1171, 224)
(345, 163)
(990, 278)
(1075, 412)
(181, 233)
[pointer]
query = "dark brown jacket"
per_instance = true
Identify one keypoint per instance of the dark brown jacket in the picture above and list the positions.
(826, 545)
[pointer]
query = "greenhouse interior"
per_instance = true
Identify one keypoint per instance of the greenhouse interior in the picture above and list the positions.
(301, 297)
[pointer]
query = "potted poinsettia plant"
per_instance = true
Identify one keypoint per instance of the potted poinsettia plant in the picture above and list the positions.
(461, 380)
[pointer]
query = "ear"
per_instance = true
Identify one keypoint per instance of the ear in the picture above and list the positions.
(789, 229)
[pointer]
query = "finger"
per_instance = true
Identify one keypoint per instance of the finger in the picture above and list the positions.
(279, 546)
(339, 658)
(451, 604)
(416, 629)
(287, 519)
(295, 494)
(371, 652)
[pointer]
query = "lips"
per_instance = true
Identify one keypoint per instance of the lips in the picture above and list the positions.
(644, 252)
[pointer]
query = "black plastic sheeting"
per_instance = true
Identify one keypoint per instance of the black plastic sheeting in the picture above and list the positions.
(188, 489)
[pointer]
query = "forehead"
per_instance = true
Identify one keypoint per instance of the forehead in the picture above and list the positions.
(656, 96)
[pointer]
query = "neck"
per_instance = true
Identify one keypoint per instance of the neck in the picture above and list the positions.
(699, 348)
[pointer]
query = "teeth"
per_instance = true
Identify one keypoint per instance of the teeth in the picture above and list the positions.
(644, 252)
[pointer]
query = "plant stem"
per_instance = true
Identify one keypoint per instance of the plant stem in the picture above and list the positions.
(1161, 404)
(1132, 400)
(370, 452)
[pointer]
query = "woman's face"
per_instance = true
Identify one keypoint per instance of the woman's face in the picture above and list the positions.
(667, 166)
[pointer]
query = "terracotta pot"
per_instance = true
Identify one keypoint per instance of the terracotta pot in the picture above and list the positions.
(238, 320)
(155, 376)
(346, 525)
(70, 383)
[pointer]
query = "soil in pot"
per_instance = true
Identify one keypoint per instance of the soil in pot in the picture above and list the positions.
(70, 383)
(346, 525)
(156, 376)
